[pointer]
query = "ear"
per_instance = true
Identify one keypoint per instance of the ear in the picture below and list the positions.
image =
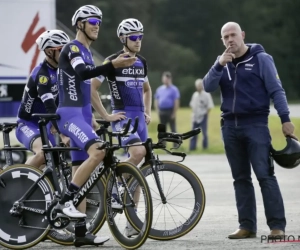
(243, 34)
(122, 39)
(48, 52)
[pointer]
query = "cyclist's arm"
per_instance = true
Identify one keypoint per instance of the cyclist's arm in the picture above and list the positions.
(87, 71)
(147, 97)
(95, 98)
(45, 93)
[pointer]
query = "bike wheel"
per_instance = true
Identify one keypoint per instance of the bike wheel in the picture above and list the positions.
(117, 220)
(95, 217)
(184, 194)
(31, 227)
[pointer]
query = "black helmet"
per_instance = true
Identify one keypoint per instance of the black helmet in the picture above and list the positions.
(289, 157)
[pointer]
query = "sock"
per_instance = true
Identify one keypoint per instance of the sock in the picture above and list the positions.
(70, 193)
(80, 228)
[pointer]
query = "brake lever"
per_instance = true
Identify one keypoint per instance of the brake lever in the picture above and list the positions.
(180, 154)
(178, 146)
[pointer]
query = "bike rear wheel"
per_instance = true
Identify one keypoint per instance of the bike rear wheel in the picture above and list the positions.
(31, 226)
(95, 216)
(185, 201)
(117, 221)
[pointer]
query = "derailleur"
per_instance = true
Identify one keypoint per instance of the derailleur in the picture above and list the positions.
(56, 218)
(16, 210)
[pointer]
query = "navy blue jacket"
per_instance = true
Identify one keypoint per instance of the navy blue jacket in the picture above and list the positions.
(246, 90)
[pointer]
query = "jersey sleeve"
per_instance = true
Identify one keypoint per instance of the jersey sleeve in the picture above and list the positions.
(43, 84)
(101, 78)
(84, 71)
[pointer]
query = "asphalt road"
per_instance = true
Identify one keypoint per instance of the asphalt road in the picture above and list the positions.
(220, 216)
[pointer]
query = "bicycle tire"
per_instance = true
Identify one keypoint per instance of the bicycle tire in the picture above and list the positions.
(94, 225)
(19, 178)
(199, 204)
(138, 179)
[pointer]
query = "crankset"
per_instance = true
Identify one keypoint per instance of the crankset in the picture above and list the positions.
(56, 219)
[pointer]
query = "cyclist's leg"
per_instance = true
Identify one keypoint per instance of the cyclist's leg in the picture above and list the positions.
(136, 154)
(83, 136)
(28, 134)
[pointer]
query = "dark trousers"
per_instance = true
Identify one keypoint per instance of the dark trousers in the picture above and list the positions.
(165, 117)
(203, 126)
(245, 145)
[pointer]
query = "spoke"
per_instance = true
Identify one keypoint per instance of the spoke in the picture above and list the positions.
(172, 216)
(179, 193)
(170, 185)
(174, 188)
(178, 212)
(158, 216)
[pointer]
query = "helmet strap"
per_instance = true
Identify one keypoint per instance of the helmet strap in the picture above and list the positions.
(84, 32)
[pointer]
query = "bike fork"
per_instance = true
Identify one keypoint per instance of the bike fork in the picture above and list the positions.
(157, 180)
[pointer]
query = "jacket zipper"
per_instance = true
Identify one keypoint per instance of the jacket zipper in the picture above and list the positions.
(234, 85)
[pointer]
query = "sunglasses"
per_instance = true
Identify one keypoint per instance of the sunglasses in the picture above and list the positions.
(93, 21)
(135, 37)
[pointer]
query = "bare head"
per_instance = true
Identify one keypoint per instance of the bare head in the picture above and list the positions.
(166, 78)
(199, 84)
(233, 36)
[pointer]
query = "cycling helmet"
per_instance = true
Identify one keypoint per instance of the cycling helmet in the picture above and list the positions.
(85, 12)
(289, 157)
(52, 39)
(128, 26)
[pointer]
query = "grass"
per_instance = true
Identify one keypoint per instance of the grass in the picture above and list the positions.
(214, 132)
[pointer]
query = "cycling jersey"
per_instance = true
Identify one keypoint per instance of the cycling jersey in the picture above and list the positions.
(126, 84)
(39, 96)
(75, 69)
(40, 92)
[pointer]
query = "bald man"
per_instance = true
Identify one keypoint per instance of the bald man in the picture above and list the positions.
(248, 79)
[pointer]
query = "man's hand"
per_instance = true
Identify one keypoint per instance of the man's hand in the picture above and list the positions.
(53, 130)
(95, 124)
(226, 57)
(288, 130)
(65, 140)
(147, 118)
(123, 61)
(115, 117)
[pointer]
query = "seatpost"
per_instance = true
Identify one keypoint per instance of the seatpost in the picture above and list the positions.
(8, 153)
(48, 154)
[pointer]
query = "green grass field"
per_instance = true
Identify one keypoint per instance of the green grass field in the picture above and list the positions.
(214, 132)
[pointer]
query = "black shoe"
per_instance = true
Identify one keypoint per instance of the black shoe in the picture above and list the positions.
(90, 239)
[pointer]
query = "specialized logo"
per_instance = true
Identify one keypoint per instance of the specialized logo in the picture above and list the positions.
(106, 61)
(43, 79)
(74, 48)
(277, 76)
(29, 40)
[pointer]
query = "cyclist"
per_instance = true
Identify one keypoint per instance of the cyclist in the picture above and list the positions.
(39, 96)
(76, 68)
(130, 91)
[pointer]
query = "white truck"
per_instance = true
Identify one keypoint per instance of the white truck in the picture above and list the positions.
(21, 22)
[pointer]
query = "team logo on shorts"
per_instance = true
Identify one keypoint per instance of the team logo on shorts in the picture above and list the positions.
(74, 48)
(43, 79)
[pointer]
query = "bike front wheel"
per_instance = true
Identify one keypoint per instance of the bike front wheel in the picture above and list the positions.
(133, 191)
(184, 205)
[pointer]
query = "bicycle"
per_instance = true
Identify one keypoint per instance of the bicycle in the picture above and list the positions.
(95, 212)
(7, 156)
(157, 169)
(37, 191)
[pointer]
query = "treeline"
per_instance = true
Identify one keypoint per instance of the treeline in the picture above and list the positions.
(183, 36)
